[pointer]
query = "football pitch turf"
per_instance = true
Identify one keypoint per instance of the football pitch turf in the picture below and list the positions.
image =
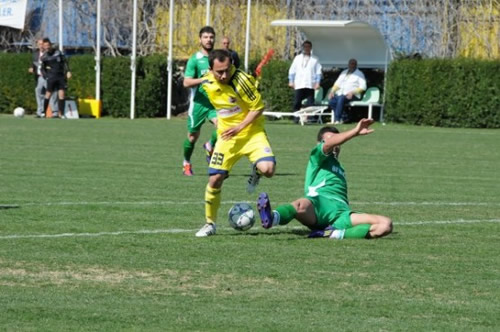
(97, 229)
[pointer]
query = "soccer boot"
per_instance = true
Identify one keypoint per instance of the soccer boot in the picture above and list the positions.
(253, 180)
(187, 169)
(206, 230)
(265, 212)
(321, 232)
(209, 150)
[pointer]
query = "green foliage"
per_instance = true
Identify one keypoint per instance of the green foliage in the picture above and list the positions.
(116, 86)
(82, 82)
(446, 93)
(17, 85)
(152, 86)
(274, 88)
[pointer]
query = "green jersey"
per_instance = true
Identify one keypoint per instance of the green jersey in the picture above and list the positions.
(196, 67)
(325, 176)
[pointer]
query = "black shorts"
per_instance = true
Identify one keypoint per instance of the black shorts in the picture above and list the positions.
(56, 83)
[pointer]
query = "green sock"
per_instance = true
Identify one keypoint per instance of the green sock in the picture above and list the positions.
(286, 212)
(213, 139)
(188, 149)
(357, 232)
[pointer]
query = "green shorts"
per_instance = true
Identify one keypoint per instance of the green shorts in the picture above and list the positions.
(331, 212)
(197, 115)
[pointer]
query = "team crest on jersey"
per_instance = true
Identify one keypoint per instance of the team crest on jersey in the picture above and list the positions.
(267, 149)
(226, 112)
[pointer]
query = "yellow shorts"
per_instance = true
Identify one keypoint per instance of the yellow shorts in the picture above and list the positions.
(226, 153)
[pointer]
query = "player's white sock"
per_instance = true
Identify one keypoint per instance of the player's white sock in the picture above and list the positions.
(276, 218)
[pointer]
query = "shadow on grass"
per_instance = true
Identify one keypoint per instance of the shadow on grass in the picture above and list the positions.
(275, 174)
(298, 232)
(303, 233)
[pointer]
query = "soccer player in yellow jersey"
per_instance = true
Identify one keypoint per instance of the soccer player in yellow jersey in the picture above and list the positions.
(240, 128)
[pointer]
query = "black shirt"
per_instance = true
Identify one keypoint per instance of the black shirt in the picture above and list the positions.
(54, 65)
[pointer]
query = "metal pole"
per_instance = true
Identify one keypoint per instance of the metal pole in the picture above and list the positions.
(381, 119)
(98, 53)
(60, 25)
(208, 13)
(133, 58)
(247, 35)
(169, 62)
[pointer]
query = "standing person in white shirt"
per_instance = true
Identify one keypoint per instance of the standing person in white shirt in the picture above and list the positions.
(348, 87)
(304, 76)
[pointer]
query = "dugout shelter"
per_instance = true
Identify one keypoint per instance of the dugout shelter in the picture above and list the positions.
(334, 43)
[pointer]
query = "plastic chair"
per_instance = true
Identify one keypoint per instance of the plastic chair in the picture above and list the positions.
(370, 98)
(326, 99)
(318, 97)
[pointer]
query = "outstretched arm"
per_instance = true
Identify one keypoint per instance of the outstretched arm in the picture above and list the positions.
(362, 128)
(190, 82)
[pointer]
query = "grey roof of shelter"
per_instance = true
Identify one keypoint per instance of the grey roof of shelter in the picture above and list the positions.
(335, 42)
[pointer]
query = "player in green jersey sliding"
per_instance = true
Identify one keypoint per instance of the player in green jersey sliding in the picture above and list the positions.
(325, 207)
(200, 108)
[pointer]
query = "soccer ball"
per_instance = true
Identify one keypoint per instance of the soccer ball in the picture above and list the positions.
(241, 217)
(19, 112)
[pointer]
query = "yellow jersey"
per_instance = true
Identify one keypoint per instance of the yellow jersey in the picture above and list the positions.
(234, 100)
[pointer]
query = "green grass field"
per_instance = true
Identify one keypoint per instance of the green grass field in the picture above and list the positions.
(97, 231)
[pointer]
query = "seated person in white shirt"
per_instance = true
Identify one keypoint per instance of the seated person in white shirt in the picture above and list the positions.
(304, 76)
(348, 87)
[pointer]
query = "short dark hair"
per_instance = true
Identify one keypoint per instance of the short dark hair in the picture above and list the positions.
(308, 43)
(47, 40)
(219, 54)
(207, 29)
(326, 129)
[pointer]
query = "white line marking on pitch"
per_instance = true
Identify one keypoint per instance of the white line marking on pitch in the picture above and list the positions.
(142, 231)
(177, 230)
(438, 222)
(233, 202)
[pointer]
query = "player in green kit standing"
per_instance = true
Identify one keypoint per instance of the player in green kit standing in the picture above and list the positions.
(200, 108)
(325, 208)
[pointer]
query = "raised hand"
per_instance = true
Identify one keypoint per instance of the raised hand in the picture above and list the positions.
(363, 126)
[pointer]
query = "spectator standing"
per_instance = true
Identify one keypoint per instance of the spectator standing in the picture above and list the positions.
(348, 87)
(40, 82)
(235, 59)
(304, 76)
(55, 70)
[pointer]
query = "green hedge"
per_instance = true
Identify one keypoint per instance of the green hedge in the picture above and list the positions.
(450, 93)
(274, 88)
(17, 85)
(447, 93)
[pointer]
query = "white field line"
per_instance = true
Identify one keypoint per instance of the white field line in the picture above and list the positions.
(177, 230)
(439, 222)
(10, 205)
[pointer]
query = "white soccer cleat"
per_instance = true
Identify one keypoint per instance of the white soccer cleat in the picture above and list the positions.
(206, 230)
(253, 180)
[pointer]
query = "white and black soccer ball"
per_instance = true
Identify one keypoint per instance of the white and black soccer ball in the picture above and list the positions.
(19, 112)
(241, 217)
